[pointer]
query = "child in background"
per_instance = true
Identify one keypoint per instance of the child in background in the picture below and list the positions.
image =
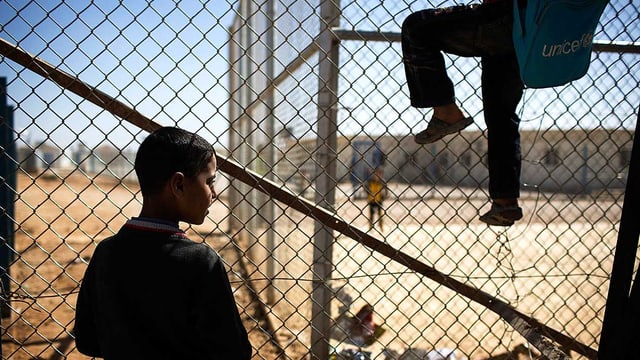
(376, 192)
(149, 292)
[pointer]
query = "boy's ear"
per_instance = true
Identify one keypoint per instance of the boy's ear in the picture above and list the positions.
(176, 183)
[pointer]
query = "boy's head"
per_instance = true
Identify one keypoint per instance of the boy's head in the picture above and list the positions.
(176, 162)
(169, 150)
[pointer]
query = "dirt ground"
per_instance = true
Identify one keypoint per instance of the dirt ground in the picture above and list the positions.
(58, 222)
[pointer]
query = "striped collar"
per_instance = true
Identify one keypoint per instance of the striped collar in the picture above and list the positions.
(153, 225)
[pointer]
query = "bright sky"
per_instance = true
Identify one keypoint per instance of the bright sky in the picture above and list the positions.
(171, 63)
(177, 53)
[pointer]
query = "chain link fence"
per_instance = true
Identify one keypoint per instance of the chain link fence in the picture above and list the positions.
(309, 96)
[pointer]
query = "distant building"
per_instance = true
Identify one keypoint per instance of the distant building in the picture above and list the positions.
(42, 157)
(573, 161)
(104, 160)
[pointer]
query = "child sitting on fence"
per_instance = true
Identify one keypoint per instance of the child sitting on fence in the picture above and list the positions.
(149, 292)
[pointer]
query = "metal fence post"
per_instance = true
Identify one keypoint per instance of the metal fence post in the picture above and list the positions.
(4, 266)
(233, 192)
(269, 206)
(326, 177)
(620, 310)
(7, 184)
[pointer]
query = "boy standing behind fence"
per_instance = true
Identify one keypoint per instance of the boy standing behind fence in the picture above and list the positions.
(149, 292)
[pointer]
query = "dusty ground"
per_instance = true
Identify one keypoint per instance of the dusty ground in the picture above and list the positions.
(57, 222)
(537, 266)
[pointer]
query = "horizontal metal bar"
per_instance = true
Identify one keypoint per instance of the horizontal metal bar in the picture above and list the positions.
(366, 35)
(625, 47)
(598, 45)
(300, 60)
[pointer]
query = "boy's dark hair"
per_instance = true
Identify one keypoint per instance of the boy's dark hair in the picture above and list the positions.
(169, 150)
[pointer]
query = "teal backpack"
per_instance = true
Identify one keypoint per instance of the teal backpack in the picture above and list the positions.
(553, 39)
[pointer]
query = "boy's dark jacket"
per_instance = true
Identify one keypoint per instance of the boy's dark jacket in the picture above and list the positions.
(151, 293)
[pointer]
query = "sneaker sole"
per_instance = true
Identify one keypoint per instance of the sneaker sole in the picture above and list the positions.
(452, 129)
(496, 221)
(499, 219)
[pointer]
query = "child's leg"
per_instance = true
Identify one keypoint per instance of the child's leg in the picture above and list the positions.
(464, 30)
(371, 214)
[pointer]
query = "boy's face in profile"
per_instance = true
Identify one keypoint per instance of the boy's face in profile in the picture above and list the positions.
(199, 194)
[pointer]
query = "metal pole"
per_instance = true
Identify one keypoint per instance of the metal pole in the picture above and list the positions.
(620, 311)
(7, 189)
(246, 210)
(326, 177)
(269, 206)
(4, 265)
(234, 120)
(252, 76)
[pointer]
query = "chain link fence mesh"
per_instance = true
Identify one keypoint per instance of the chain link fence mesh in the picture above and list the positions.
(314, 111)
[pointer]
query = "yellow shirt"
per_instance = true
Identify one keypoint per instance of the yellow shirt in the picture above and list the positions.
(375, 191)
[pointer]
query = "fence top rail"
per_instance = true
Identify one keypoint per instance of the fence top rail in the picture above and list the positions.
(628, 47)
